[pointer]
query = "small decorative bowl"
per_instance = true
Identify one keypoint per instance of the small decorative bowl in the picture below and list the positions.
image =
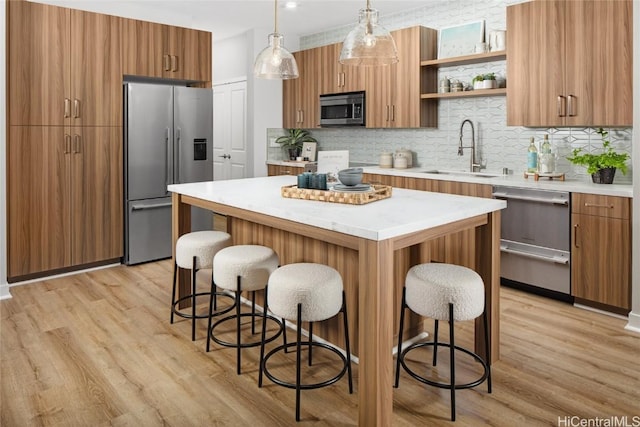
(351, 176)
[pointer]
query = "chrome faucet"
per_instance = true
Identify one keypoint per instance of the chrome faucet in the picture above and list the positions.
(473, 165)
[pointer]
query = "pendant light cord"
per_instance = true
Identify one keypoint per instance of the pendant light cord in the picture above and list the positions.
(275, 12)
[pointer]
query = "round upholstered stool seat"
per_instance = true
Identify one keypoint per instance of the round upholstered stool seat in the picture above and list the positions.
(243, 268)
(195, 251)
(451, 293)
(306, 292)
(202, 245)
(318, 288)
(431, 287)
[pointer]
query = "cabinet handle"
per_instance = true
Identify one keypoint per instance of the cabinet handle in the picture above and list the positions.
(76, 108)
(575, 235)
(301, 116)
(174, 63)
(570, 104)
(67, 107)
(591, 205)
(77, 144)
(167, 62)
(67, 143)
(343, 79)
(561, 106)
(387, 119)
(393, 113)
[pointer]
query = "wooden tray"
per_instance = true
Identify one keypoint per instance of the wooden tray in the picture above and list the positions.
(537, 175)
(379, 192)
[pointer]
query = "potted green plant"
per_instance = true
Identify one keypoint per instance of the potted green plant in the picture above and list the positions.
(489, 81)
(291, 143)
(478, 82)
(602, 167)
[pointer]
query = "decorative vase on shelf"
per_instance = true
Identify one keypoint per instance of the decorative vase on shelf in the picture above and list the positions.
(603, 176)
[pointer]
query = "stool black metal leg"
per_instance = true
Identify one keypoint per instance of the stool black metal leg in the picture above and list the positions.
(298, 348)
(488, 348)
(284, 335)
(239, 348)
(173, 292)
(211, 308)
(452, 361)
(214, 292)
(193, 300)
(346, 341)
(253, 312)
(263, 336)
(310, 341)
(399, 353)
(435, 342)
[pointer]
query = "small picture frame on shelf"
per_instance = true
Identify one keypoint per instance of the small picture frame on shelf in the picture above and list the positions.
(460, 40)
(309, 151)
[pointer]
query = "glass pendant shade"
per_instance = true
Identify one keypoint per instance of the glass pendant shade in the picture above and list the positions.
(275, 62)
(369, 43)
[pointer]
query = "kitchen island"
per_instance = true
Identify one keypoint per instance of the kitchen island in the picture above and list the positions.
(372, 246)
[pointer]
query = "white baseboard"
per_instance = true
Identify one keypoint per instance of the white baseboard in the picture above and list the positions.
(634, 322)
(4, 292)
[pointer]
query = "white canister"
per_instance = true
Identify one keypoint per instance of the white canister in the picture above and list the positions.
(400, 162)
(403, 152)
(386, 160)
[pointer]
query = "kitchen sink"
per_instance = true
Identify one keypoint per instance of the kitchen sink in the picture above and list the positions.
(464, 173)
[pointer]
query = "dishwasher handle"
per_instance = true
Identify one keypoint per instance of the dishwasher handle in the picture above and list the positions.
(143, 207)
(549, 200)
(552, 259)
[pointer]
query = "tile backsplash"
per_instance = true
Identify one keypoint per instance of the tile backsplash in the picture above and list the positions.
(499, 146)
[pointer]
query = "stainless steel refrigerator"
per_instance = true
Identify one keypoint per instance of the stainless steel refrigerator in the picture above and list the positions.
(168, 133)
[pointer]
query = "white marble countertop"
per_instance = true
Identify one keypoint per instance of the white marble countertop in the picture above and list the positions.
(577, 186)
(406, 211)
(513, 180)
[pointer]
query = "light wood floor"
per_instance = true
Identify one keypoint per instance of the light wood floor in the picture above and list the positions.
(97, 349)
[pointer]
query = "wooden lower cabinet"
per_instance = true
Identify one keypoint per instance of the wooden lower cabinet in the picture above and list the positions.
(273, 170)
(64, 198)
(601, 250)
(455, 248)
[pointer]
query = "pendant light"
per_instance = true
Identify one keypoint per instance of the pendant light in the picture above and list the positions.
(275, 62)
(369, 43)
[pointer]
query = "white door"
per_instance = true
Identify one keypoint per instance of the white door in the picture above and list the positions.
(230, 131)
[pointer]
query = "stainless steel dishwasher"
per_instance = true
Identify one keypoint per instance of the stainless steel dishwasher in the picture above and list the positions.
(535, 240)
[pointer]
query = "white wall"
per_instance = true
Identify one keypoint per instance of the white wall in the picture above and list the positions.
(228, 61)
(4, 287)
(634, 316)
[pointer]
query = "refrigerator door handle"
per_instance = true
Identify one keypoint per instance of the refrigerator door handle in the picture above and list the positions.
(177, 151)
(168, 178)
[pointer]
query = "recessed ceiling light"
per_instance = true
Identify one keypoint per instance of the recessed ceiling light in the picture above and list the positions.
(291, 4)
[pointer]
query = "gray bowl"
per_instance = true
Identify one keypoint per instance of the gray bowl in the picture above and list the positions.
(350, 178)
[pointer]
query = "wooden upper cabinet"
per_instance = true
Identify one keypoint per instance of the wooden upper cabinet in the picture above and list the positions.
(301, 102)
(393, 92)
(64, 67)
(38, 80)
(569, 63)
(163, 51)
(335, 77)
(142, 48)
(96, 72)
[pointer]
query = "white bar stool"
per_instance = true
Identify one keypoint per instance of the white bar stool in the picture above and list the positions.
(306, 292)
(195, 251)
(444, 292)
(243, 268)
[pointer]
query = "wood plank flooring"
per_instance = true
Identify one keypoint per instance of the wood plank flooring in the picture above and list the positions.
(97, 349)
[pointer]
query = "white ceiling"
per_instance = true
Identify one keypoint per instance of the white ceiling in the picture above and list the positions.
(227, 18)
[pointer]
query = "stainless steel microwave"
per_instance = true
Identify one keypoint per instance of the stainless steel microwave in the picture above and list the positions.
(342, 109)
